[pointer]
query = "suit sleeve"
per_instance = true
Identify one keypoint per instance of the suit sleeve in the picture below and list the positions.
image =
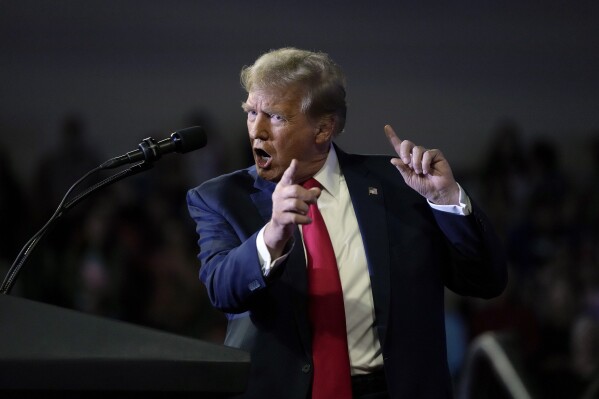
(478, 263)
(230, 267)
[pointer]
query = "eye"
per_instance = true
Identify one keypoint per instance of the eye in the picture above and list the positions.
(251, 115)
(277, 118)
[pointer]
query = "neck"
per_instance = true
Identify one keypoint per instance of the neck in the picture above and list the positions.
(308, 168)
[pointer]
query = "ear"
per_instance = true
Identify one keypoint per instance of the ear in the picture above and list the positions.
(325, 128)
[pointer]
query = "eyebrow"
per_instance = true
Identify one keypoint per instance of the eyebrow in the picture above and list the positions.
(247, 107)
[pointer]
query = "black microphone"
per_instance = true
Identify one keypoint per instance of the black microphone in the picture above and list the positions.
(181, 141)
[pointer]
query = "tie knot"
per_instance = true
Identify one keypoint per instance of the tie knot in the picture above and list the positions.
(311, 182)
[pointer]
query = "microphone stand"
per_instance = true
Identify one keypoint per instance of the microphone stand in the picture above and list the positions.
(64, 206)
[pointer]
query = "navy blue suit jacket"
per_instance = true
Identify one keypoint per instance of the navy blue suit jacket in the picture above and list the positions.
(413, 252)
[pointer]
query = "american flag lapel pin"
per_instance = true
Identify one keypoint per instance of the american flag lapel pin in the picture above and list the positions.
(372, 191)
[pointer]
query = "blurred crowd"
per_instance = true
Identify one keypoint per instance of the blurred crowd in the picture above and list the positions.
(549, 221)
(129, 253)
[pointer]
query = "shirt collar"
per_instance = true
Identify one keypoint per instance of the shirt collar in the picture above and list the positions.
(330, 174)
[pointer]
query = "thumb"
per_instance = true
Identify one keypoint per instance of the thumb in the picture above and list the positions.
(404, 169)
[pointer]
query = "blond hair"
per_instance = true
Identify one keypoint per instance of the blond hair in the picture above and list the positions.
(322, 80)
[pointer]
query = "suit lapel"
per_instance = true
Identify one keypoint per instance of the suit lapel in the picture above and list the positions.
(367, 197)
(262, 198)
(294, 273)
(296, 277)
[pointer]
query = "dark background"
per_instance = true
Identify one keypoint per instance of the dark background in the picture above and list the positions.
(508, 90)
(442, 73)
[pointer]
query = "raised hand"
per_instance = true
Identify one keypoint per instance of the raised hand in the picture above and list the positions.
(426, 171)
(290, 203)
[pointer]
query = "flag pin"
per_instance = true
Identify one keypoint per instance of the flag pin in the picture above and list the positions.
(372, 191)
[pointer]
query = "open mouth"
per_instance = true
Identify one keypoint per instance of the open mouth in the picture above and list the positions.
(262, 157)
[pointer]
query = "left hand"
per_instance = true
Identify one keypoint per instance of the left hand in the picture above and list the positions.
(426, 171)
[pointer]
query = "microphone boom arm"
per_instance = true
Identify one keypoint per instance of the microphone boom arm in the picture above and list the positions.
(149, 150)
(27, 249)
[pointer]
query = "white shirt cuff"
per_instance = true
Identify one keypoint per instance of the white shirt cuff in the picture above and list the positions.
(464, 207)
(266, 263)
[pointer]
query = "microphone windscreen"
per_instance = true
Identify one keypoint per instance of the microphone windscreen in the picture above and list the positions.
(189, 139)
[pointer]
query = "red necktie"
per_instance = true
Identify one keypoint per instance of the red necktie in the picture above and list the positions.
(332, 378)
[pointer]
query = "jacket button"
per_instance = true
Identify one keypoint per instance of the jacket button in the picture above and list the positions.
(254, 285)
(306, 368)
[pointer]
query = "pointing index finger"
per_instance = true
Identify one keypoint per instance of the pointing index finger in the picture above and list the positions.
(392, 137)
(402, 148)
(289, 173)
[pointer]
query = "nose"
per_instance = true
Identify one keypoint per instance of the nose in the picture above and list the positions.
(258, 128)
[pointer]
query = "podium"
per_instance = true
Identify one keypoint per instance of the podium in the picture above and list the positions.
(47, 349)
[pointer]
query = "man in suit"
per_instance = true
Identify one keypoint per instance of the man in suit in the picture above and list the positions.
(401, 229)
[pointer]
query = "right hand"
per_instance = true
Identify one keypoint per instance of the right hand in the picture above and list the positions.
(290, 204)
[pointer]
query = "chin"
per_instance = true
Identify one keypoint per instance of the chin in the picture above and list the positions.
(268, 174)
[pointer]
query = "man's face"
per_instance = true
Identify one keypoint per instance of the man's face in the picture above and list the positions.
(279, 132)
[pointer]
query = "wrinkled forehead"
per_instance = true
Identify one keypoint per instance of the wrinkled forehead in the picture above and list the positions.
(292, 95)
